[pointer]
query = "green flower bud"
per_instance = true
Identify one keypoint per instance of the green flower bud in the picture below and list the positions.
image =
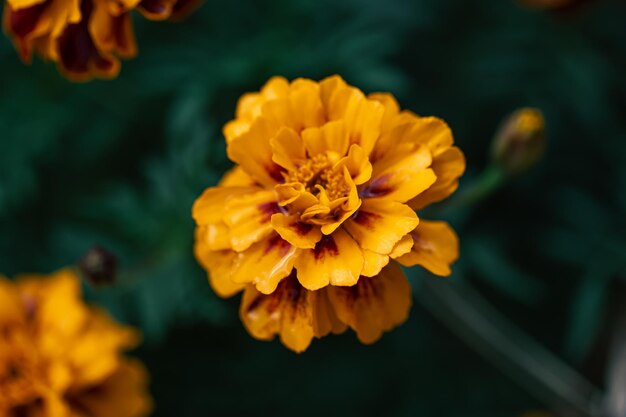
(520, 142)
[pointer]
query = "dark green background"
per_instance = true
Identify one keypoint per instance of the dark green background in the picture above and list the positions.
(119, 163)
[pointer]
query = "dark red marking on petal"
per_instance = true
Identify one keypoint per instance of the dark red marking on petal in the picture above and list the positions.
(276, 173)
(379, 187)
(277, 242)
(326, 246)
(301, 228)
(366, 219)
(23, 21)
(268, 210)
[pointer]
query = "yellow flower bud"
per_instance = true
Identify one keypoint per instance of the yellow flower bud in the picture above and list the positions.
(520, 141)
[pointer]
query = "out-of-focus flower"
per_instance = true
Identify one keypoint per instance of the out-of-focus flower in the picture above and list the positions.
(86, 38)
(520, 142)
(61, 358)
(98, 266)
(323, 196)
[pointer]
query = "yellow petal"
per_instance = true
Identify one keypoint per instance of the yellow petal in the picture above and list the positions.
(123, 394)
(11, 310)
(374, 263)
(209, 207)
(264, 264)
(299, 110)
(401, 177)
(379, 225)
(357, 164)
(252, 151)
(448, 166)
(336, 260)
(286, 312)
(248, 217)
(324, 318)
(402, 247)
(300, 235)
(287, 148)
(435, 247)
(236, 177)
(218, 265)
(331, 137)
(374, 305)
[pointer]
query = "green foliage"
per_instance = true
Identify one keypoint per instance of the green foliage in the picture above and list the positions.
(119, 163)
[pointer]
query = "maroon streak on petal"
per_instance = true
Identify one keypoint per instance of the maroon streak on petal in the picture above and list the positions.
(366, 218)
(379, 187)
(325, 246)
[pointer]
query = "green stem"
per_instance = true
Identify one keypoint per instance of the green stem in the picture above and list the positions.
(482, 327)
(490, 180)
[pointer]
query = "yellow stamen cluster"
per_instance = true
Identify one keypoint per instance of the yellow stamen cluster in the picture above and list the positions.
(317, 174)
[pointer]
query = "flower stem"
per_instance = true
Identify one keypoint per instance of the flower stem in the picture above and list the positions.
(468, 315)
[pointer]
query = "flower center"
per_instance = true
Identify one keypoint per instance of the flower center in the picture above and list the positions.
(317, 175)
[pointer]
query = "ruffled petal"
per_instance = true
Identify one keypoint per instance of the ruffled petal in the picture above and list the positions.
(299, 234)
(218, 264)
(248, 217)
(332, 137)
(379, 225)
(448, 166)
(287, 148)
(374, 305)
(264, 264)
(401, 177)
(286, 312)
(252, 151)
(336, 260)
(435, 247)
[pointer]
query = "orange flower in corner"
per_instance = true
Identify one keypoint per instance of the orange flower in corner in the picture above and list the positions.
(322, 198)
(61, 358)
(86, 38)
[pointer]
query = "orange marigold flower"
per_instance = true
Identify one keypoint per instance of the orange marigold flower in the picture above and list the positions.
(86, 38)
(61, 358)
(322, 197)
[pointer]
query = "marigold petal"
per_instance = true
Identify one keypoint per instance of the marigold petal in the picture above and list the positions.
(324, 319)
(123, 394)
(401, 178)
(287, 148)
(286, 312)
(248, 217)
(237, 177)
(402, 247)
(264, 264)
(374, 263)
(336, 260)
(448, 166)
(331, 137)
(209, 207)
(357, 163)
(218, 264)
(435, 247)
(301, 235)
(379, 225)
(374, 305)
(252, 151)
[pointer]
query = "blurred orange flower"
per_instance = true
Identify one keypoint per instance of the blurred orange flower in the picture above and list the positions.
(86, 38)
(322, 197)
(61, 358)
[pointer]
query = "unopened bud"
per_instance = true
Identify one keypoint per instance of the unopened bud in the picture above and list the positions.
(98, 266)
(520, 142)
